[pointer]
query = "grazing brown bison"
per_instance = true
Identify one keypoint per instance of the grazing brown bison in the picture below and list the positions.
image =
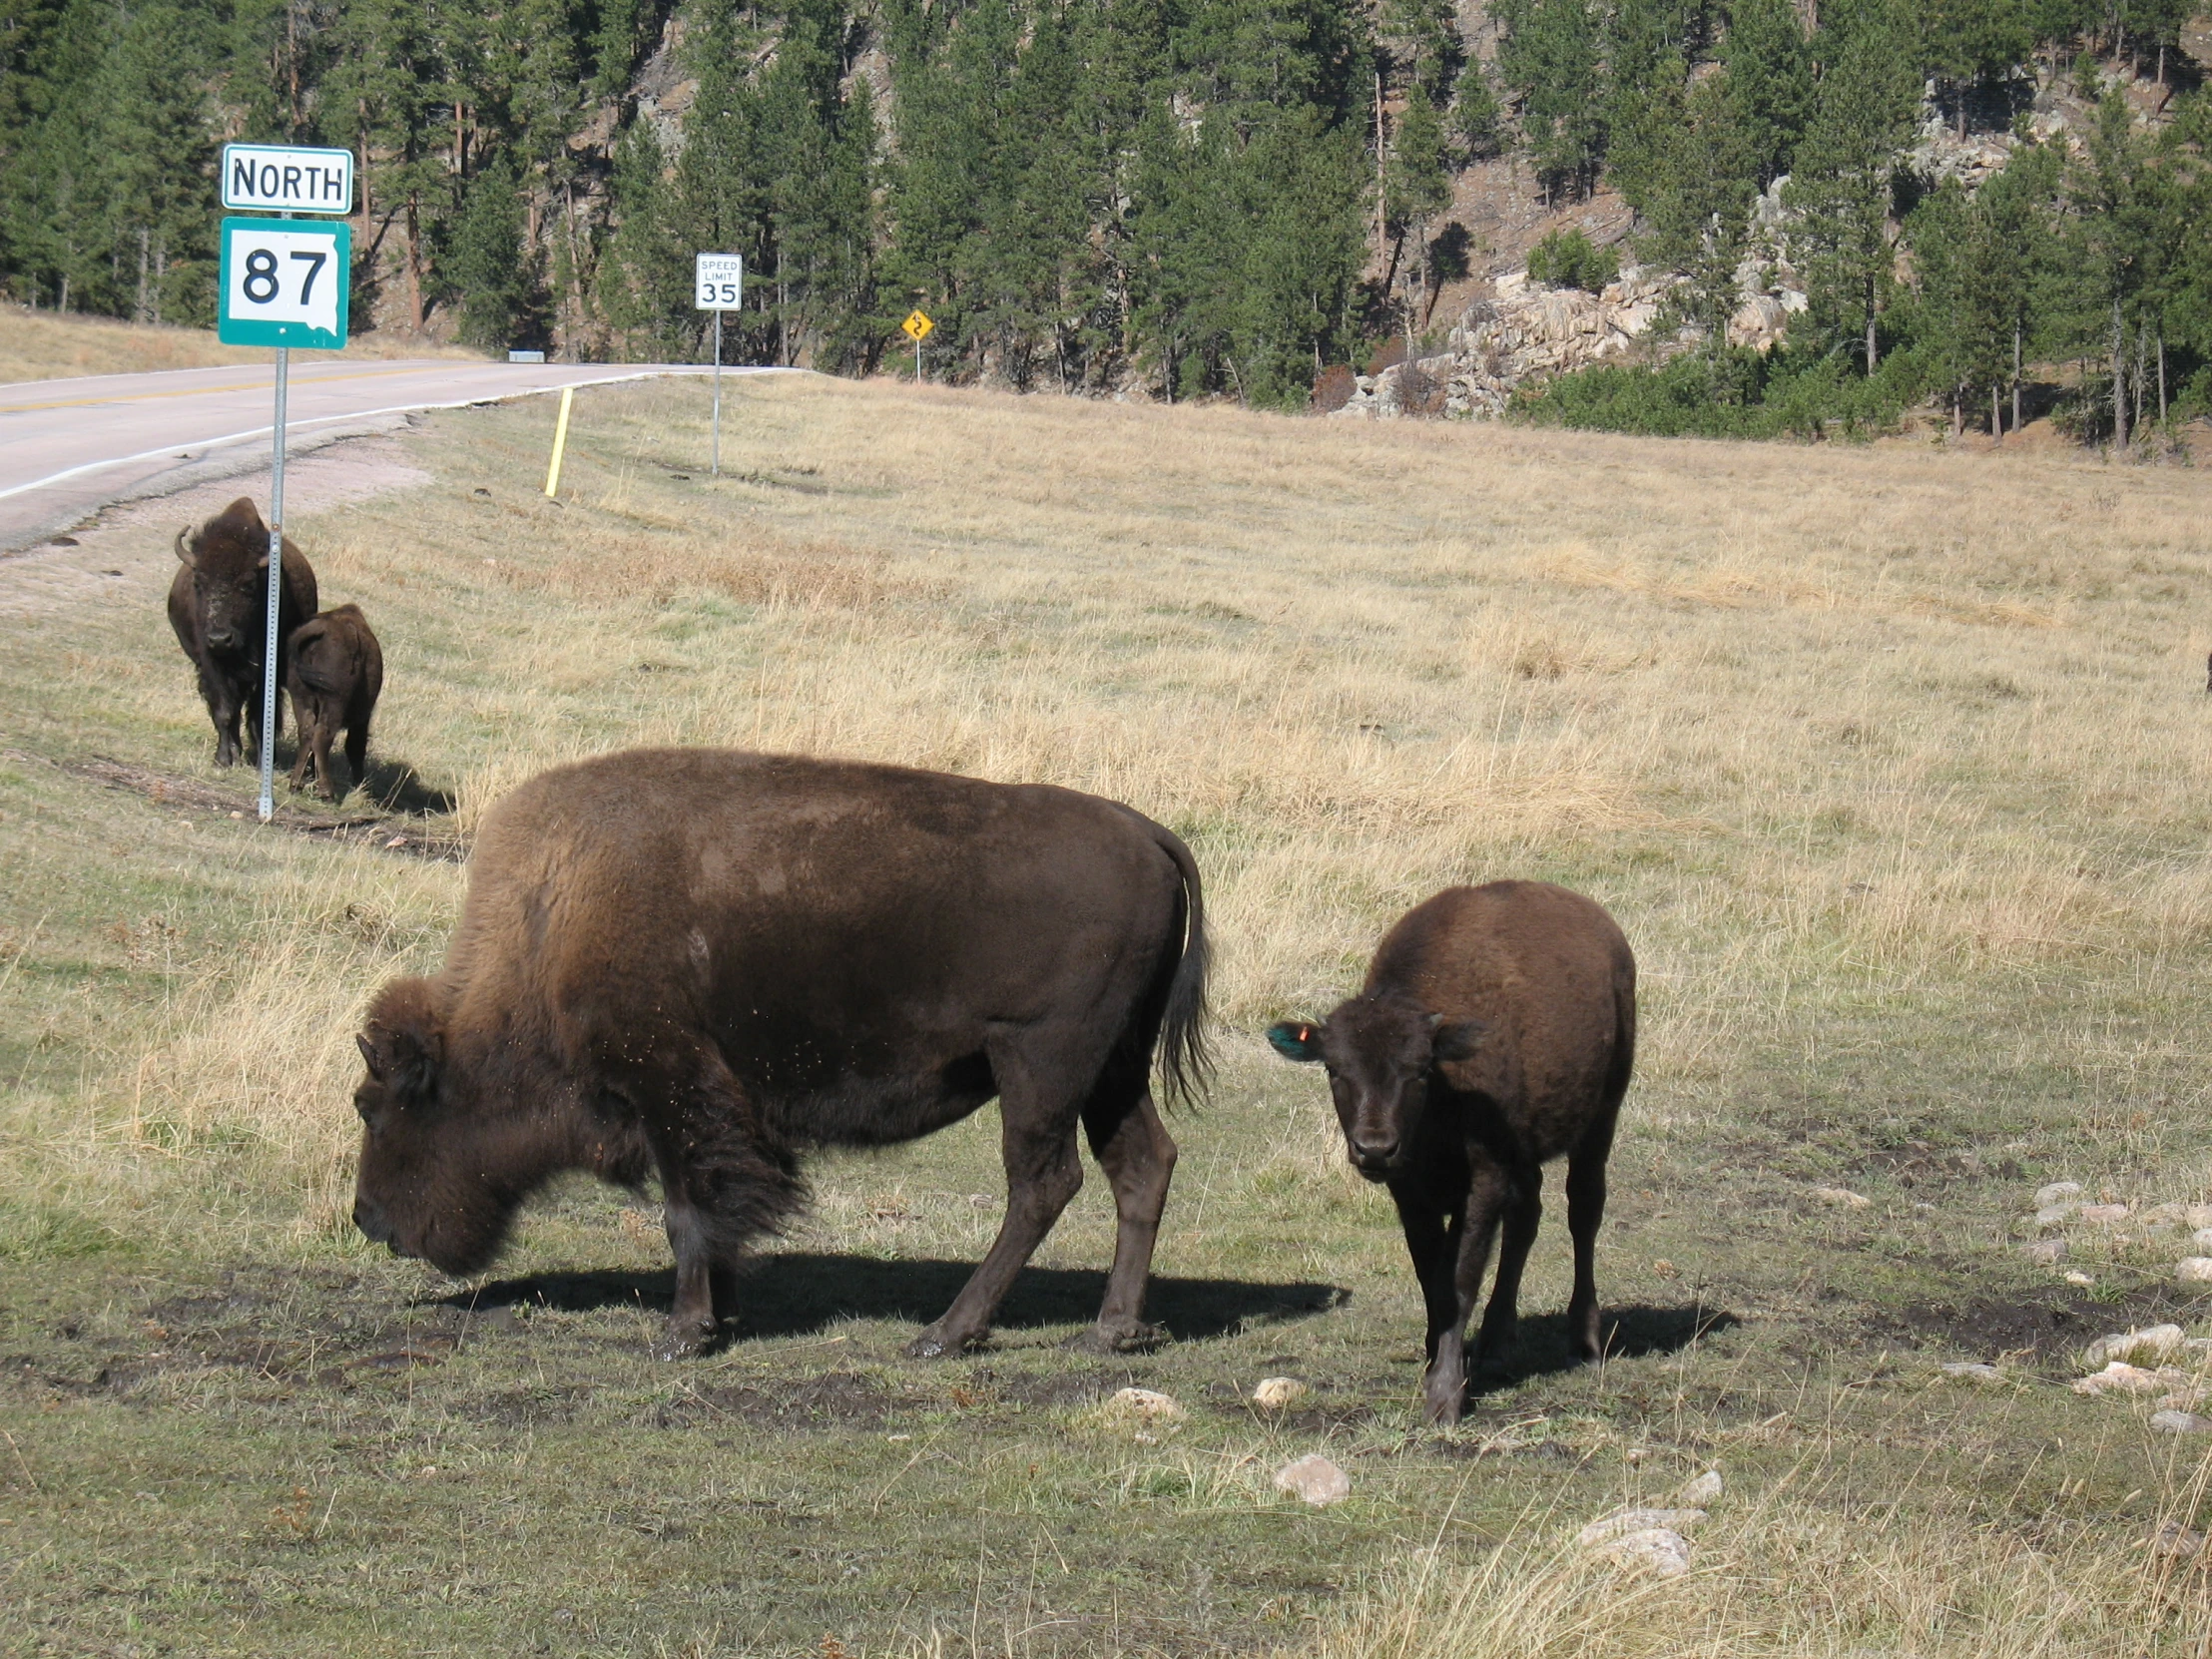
(1495, 1032)
(335, 673)
(219, 606)
(693, 964)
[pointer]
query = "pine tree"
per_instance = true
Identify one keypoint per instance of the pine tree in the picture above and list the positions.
(1845, 167)
(1551, 56)
(1769, 65)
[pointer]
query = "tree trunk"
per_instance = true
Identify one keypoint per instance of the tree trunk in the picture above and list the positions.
(161, 276)
(2161, 376)
(2138, 379)
(1381, 229)
(1997, 415)
(1957, 413)
(1871, 361)
(138, 307)
(413, 268)
(2119, 379)
(2016, 375)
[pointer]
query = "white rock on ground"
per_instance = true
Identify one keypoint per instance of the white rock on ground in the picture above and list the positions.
(1700, 1490)
(2175, 1539)
(1843, 1197)
(1970, 1370)
(1314, 1479)
(2181, 1422)
(2101, 1215)
(1279, 1394)
(2046, 1253)
(2151, 1345)
(1145, 1404)
(2057, 1191)
(2201, 1239)
(2120, 1377)
(1658, 1550)
(2194, 1269)
(1621, 1522)
(2054, 1214)
(2081, 1278)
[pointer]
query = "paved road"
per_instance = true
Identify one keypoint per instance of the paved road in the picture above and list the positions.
(70, 447)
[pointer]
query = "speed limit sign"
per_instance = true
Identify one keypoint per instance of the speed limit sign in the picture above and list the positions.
(285, 282)
(718, 281)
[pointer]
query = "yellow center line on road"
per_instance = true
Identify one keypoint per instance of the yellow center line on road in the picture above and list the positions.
(200, 392)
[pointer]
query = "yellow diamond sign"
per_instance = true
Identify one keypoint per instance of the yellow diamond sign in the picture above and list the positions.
(917, 323)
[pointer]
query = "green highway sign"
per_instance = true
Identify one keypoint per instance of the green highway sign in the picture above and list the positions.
(285, 282)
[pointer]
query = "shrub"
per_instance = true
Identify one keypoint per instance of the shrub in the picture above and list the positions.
(1332, 388)
(1568, 259)
(1733, 394)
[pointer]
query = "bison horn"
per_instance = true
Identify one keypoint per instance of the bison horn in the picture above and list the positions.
(183, 553)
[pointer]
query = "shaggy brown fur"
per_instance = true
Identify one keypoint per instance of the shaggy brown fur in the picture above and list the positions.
(1495, 1032)
(695, 963)
(219, 607)
(336, 673)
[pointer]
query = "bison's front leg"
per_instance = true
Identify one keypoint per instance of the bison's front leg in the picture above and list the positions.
(1445, 1387)
(1431, 1239)
(720, 1180)
(690, 1323)
(224, 709)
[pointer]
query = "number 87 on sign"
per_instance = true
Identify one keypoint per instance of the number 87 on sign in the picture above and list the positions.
(285, 282)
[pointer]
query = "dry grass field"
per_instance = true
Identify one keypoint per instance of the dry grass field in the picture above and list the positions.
(1892, 765)
(44, 346)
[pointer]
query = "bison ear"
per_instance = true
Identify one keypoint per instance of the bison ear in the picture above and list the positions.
(1296, 1039)
(403, 1044)
(1457, 1039)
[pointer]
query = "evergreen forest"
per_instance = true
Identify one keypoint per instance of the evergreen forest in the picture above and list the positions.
(1194, 198)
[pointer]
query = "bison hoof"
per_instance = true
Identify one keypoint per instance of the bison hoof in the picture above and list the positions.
(1103, 1340)
(934, 1343)
(682, 1341)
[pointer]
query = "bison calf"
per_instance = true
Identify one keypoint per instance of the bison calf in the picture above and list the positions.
(694, 964)
(1495, 1032)
(219, 607)
(335, 673)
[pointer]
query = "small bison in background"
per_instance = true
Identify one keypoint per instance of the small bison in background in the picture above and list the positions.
(694, 964)
(219, 607)
(1495, 1032)
(335, 673)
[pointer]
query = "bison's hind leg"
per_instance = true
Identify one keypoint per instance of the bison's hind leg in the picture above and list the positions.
(1040, 1093)
(722, 1183)
(1134, 1148)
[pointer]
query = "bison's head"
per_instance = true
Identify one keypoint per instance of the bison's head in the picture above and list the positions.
(1381, 1053)
(435, 1178)
(228, 558)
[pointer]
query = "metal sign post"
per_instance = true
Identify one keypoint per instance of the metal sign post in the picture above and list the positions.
(282, 283)
(718, 286)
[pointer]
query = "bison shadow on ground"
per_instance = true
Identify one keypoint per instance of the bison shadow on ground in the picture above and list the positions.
(1634, 1332)
(397, 788)
(797, 1293)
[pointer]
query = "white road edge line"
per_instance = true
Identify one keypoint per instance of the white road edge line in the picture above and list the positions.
(205, 444)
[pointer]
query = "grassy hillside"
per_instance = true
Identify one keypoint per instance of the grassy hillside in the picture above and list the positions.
(1890, 763)
(42, 346)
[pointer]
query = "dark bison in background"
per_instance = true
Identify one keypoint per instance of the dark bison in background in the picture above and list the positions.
(335, 672)
(219, 606)
(694, 964)
(1495, 1032)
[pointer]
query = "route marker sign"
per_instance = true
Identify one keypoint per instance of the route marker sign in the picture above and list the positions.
(288, 178)
(718, 286)
(285, 282)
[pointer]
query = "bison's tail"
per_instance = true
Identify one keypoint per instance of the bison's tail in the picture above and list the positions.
(1186, 1058)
